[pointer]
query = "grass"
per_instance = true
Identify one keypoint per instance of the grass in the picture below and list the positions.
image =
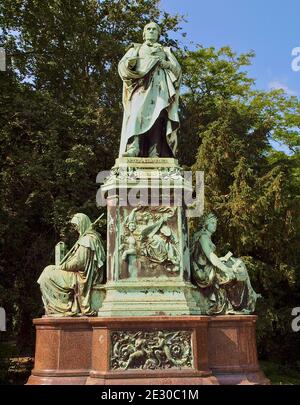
(14, 368)
(280, 374)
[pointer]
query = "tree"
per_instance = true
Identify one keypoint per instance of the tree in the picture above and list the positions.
(60, 125)
(253, 189)
(60, 121)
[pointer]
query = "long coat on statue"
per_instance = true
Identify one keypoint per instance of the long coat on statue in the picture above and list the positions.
(148, 89)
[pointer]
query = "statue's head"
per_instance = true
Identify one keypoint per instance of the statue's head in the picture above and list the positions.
(81, 223)
(165, 230)
(131, 226)
(210, 222)
(130, 221)
(151, 32)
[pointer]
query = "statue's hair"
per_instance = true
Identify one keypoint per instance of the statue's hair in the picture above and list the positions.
(207, 218)
(131, 218)
(157, 26)
(82, 221)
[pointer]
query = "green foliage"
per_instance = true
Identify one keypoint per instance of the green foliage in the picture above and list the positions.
(5, 352)
(280, 374)
(60, 121)
(253, 189)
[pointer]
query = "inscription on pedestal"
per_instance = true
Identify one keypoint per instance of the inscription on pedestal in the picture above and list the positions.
(151, 350)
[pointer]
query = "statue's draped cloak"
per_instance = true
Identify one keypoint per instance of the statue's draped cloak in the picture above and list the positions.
(67, 290)
(228, 292)
(148, 90)
(160, 249)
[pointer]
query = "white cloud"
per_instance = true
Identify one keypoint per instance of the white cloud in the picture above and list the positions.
(276, 85)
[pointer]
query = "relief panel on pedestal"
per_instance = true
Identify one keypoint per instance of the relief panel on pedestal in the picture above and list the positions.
(150, 244)
(151, 350)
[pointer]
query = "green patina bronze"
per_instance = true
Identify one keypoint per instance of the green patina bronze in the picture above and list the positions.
(151, 78)
(150, 262)
(148, 267)
(67, 288)
(148, 350)
(224, 281)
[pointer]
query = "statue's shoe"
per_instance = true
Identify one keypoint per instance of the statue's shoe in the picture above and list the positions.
(153, 152)
(133, 148)
(131, 153)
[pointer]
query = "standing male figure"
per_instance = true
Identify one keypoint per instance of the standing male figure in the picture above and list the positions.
(151, 78)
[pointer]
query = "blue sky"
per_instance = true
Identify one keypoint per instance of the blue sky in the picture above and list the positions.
(269, 27)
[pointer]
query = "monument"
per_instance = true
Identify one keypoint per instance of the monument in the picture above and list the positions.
(166, 309)
(151, 78)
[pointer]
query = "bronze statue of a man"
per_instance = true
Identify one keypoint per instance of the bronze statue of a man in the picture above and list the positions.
(151, 78)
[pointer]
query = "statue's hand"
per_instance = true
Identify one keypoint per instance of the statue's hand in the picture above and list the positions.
(226, 257)
(131, 62)
(238, 263)
(164, 64)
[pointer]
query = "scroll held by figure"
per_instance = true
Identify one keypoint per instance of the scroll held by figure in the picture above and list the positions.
(67, 288)
(224, 281)
(151, 79)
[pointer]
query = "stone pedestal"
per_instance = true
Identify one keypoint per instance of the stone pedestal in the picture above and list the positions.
(157, 350)
(62, 351)
(232, 350)
(148, 265)
(150, 351)
(150, 327)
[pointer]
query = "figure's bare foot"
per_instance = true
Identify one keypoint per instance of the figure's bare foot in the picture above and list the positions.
(133, 149)
(131, 153)
(153, 152)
